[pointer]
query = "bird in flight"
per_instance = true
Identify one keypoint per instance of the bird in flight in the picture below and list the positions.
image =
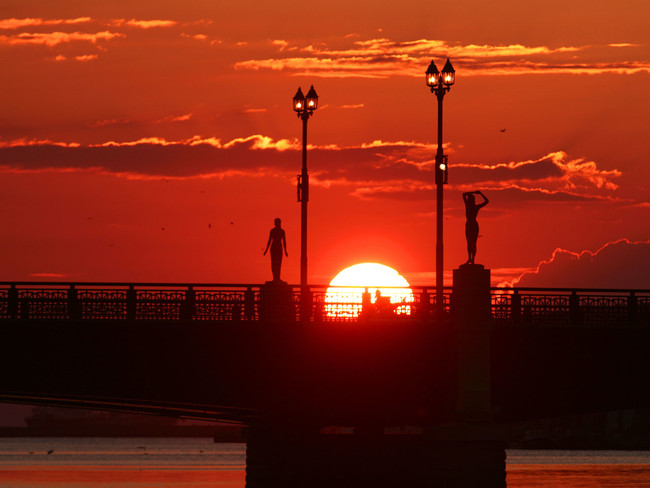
(502, 130)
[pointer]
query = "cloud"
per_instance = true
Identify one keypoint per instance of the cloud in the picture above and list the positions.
(173, 118)
(281, 43)
(154, 157)
(86, 57)
(382, 58)
(32, 22)
(108, 122)
(401, 170)
(405, 171)
(83, 57)
(617, 264)
(555, 172)
(24, 142)
(199, 37)
(168, 119)
(143, 24)
(53, 38)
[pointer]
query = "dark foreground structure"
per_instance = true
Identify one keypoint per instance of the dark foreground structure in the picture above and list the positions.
(333, 394)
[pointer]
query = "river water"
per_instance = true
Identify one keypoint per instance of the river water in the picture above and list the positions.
(200, 463)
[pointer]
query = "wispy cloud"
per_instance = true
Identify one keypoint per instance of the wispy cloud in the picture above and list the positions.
(25, 142)
(83, 57)
(173, 118)
(32, 22)
(143, 24)
(381, 58)
(54, 38)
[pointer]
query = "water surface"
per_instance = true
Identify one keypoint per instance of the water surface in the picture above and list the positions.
(200, 463)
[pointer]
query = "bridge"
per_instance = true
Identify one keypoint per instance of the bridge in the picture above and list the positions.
(256, 355)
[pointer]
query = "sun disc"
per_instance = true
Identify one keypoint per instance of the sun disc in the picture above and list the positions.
(385, 290)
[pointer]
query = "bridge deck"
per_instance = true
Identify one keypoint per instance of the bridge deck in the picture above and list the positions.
(207, 351)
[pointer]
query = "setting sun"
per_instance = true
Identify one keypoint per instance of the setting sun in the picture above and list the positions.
(384, 288)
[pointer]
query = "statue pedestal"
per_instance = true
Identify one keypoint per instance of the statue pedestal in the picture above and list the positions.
(276, 302)
(471, 305)
(471, 313)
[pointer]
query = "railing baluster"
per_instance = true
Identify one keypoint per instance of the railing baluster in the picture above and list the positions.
(249, 303)
(74, 307)
(24, 306)
(515, 307)
(131, 303)
(12, 305)
(235, 309)
(188, 307)
(632, 304)
(424, 303)
(575, 315)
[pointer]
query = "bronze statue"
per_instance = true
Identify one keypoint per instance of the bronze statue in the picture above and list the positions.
(471, 226)
(277, 242)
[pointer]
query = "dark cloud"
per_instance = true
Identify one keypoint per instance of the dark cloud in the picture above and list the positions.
(501, 196)
(619, 264)
(400, 170)
(535, 170)
(146, 159)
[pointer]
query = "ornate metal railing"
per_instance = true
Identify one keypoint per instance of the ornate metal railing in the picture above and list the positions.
(234, 302)
(567, 306)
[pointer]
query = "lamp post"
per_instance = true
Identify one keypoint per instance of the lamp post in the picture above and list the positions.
(440, 83)
(304, 107)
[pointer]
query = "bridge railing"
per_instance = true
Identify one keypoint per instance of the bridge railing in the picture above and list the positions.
(568, 306)
(235, 302)
(106, 301)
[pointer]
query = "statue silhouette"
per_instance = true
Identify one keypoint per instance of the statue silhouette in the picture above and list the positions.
(277, 242)
(471, 226)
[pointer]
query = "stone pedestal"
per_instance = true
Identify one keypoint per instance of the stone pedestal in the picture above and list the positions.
(471, 312)
(276, 302)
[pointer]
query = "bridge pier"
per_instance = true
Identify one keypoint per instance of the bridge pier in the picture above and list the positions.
(471, 313)
(308, 459)
(467, 452)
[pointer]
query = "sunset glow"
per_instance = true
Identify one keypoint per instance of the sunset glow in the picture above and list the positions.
(344, 298)
(157, 141)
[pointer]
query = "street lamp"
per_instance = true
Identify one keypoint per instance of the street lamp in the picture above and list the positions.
(304, 107)
(440, 83)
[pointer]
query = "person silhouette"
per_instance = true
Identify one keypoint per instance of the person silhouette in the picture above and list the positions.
(277, 242)
(471, 226)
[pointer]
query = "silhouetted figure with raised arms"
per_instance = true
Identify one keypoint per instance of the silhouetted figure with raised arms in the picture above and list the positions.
(471, 226)
(277, 242)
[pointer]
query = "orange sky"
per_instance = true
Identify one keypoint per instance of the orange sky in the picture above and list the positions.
(121, 119)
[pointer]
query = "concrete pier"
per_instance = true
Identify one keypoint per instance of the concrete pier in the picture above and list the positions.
(464, 453)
